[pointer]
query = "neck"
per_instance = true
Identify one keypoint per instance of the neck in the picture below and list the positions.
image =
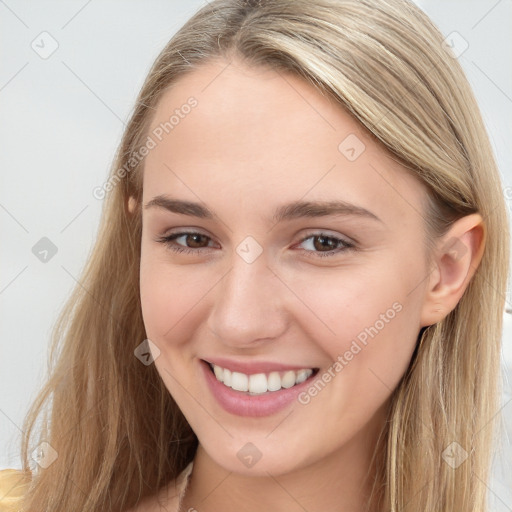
(341, 481)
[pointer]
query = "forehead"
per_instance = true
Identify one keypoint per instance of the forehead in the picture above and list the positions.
(261, 136)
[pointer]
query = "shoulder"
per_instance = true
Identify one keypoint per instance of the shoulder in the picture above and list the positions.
(13, 485)
(169, 498)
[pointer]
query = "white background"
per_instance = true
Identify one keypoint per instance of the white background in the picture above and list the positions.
(62, 119)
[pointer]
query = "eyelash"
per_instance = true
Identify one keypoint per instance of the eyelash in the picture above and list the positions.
(169, 239)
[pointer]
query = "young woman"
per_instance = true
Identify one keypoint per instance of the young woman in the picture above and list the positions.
(296, 296)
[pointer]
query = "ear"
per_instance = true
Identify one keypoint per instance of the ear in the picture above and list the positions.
(132, 204)
(458, 254)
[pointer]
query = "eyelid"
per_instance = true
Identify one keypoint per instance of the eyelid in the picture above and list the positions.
(170, 236)
(313, 232)
(345, 242)
(331, 234)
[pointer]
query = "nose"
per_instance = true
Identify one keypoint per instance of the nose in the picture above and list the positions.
(249, 305)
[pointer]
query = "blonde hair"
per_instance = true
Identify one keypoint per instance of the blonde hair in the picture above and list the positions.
(119, 434)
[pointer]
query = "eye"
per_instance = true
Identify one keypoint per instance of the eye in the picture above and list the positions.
(322, 245)
(196, 240)
(318, 244)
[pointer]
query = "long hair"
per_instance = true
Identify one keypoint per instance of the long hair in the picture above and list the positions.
(118, 434)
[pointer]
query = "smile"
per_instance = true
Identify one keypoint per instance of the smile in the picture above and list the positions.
(259, 383)
(261, 389)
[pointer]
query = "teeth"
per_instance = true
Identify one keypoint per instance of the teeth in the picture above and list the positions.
(274, 381)
(302, 375)
(259, 383)
(239, 381)
(219, 372)
(288, 379)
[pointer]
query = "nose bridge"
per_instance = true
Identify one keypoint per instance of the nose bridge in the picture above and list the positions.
(248, 303)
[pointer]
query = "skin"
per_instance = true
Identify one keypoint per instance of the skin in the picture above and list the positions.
(256, 140)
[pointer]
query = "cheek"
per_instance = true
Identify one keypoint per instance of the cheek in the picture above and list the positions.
(375, 318)
(369, 315)
(167, 294)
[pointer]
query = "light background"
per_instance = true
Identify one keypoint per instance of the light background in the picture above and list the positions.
(62, 118)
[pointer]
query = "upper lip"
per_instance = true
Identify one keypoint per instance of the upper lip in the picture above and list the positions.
(253, 367)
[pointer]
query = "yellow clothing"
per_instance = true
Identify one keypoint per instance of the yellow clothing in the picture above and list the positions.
(13, 485)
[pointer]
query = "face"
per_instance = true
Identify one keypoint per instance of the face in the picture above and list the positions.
(304, 249)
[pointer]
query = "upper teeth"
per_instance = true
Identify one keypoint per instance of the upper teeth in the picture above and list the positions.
(260, 382)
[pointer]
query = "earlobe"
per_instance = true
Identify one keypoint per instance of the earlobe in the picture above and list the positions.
(132, 203)
(456, 260)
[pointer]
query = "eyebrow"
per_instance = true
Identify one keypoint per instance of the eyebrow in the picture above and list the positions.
(289, 211)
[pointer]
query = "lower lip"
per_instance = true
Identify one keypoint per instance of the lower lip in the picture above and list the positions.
(242, 404)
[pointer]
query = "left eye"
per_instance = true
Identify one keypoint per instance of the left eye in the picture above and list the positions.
(326, 245)
(320, 244)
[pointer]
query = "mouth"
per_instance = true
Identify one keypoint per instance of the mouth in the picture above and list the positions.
(261, 383)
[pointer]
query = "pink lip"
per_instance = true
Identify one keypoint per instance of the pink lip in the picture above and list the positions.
(252, 367)
(243, 404)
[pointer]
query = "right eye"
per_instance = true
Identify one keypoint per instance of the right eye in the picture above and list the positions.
(197, 241)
